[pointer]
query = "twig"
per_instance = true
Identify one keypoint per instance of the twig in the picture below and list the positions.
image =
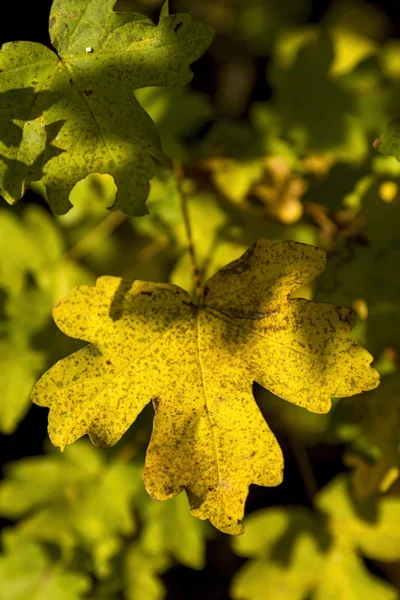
(179, 175)
(305, 468)
(95, 236)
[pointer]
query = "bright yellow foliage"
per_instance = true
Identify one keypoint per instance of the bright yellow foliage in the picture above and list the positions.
(197, 364)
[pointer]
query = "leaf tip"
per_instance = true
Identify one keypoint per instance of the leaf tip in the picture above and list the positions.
(164, 10)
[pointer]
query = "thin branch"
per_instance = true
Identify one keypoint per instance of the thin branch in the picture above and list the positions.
(305, 468)
(90, 241)
(179, 175)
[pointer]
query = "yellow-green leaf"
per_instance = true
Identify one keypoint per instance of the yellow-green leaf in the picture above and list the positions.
(197, 364)
(281, 568)
(373, 531)
(27, 572)
(74, 500)
(345, 577)
(295, 554)
(20, 366)
(170, 530)
(141, 570)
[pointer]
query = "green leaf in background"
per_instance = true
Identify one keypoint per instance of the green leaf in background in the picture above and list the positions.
(178, 113)
(86, 92)
(141, 575)
(26, 572)
(84, 505)
(367, 526)
(377, 465)
(313, 107)
(170, 531)
(32, 258)
(74, 500)
(284, 548)
(34, 275)
(295, 554)
(20, 367)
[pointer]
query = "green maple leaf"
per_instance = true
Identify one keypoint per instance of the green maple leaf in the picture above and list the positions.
(73, 113)
(198, 364)
(27, 572)
(295, 555)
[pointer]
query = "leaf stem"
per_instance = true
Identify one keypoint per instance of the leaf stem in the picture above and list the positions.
(179, 176)
(305, 468)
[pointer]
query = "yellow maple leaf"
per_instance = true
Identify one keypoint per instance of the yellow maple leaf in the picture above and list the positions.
(197, 364)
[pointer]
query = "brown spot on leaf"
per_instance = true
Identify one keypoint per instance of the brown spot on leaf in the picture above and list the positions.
(88, 92)
(177, 27)
(52, 22)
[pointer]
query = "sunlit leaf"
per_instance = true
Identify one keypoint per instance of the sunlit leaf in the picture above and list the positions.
(150, 342)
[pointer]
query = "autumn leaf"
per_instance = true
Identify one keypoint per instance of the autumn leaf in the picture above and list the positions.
(197, 364)
(66, 115)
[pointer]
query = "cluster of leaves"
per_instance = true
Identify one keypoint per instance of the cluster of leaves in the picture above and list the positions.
(297, 553)
(80, 514)
(87, 127)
